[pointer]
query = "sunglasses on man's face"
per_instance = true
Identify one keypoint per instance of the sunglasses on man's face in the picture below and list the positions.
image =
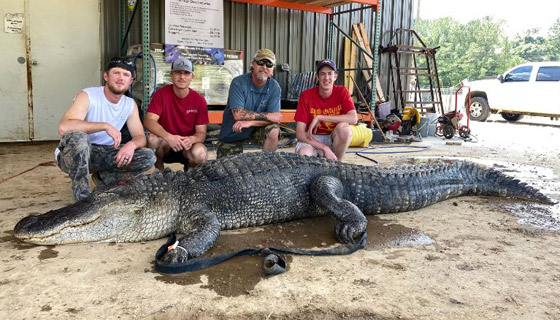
(265, 62)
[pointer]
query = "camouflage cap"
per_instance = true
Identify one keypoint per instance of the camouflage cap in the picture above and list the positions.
(265, 54)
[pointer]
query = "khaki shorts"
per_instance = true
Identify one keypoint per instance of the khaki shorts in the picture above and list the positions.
(325, 139)
(231, 148)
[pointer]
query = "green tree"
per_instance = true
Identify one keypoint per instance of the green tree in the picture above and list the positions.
(436, 33)
(553, 42)
(529, 46)
(507, 57)
(479, 49)
(473, 50)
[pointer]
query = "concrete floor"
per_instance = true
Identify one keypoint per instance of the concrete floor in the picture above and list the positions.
(488, 258)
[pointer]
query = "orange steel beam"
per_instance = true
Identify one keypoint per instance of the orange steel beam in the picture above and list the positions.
(287, 117)
(366, 118)
(368, 2)
(215, 117)
(289, 5)
(320, 6)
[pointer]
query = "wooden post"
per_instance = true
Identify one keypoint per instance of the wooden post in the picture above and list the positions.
(349, 63)
(366, 103)
(361, 35)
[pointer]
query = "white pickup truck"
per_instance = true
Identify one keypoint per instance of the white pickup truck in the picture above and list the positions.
(527, 89)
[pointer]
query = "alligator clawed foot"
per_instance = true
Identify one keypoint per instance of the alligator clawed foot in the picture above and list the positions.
(176, 255)
(346, 232)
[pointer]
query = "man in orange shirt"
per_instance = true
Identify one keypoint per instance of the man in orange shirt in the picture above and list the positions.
(324, 115)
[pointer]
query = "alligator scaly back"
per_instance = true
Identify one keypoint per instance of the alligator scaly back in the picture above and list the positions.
(413, 187)
(376, 189)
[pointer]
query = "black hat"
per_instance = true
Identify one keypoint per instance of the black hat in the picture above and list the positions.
(117, 62)
(325, 62)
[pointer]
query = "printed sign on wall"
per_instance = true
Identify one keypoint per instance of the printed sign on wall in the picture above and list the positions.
(13, 23)
(194, 23)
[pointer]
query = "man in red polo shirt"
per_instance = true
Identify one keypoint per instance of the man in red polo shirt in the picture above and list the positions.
(177, 119)
(324, 115)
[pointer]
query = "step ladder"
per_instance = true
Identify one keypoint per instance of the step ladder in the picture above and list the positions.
(413, 75)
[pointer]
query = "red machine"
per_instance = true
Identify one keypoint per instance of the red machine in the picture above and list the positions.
(450, 122)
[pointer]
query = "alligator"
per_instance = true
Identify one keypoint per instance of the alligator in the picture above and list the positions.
(255, 189)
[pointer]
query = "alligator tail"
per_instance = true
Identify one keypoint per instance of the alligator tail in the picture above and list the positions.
(492, 182)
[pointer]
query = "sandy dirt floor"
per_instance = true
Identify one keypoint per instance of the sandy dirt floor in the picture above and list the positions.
(469, 257)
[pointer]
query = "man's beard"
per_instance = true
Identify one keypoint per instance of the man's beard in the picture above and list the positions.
(115, 90)
(262, 77)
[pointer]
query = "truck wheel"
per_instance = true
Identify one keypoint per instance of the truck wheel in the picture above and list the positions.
(479, 109)
(511, 117)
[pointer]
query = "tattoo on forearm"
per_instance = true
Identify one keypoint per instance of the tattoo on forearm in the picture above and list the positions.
(249, 115)
(260, 116)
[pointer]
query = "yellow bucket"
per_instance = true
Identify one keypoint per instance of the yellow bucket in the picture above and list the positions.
(361, 135)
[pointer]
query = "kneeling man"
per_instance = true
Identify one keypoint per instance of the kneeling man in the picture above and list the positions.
(177, 119)
(91, 137)
(324, 115)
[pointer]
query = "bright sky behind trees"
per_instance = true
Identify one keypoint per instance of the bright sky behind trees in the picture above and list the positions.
(518, 15)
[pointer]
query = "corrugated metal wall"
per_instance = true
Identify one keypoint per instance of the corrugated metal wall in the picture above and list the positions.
(298, 38)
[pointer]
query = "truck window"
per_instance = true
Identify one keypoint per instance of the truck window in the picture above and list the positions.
(548, 74)
(519, 74)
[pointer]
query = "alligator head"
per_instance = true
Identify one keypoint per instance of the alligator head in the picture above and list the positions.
(113, 215)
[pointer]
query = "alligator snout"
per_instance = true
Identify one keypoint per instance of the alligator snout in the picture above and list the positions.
(24, 226)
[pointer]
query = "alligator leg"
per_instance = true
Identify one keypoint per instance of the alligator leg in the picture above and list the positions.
(201, 229)
(327, 191)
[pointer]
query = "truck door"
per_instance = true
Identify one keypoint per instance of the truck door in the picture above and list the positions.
(547, 87)
(514, 90)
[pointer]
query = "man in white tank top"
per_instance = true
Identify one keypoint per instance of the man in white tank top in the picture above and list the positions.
(91, 137)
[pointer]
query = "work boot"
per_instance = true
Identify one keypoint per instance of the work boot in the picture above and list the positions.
(229, 148)
(97, 182)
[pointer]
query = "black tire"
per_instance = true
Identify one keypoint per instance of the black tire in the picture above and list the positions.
(479, 109)
(448, 131)
(511, 117)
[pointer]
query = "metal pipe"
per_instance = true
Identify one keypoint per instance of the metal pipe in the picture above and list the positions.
(352, 10)
(129, 24)
(147, 71)
(122, 25)
(353, 41)
(376, 36)
(330, 36)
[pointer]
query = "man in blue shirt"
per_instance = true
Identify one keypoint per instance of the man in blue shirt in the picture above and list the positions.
(253, 108)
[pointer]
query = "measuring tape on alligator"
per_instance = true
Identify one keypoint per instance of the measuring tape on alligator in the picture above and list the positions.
(273, 263)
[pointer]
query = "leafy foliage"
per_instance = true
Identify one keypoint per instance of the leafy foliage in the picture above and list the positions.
(553, 42)
(529, 46)
(480, 49)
